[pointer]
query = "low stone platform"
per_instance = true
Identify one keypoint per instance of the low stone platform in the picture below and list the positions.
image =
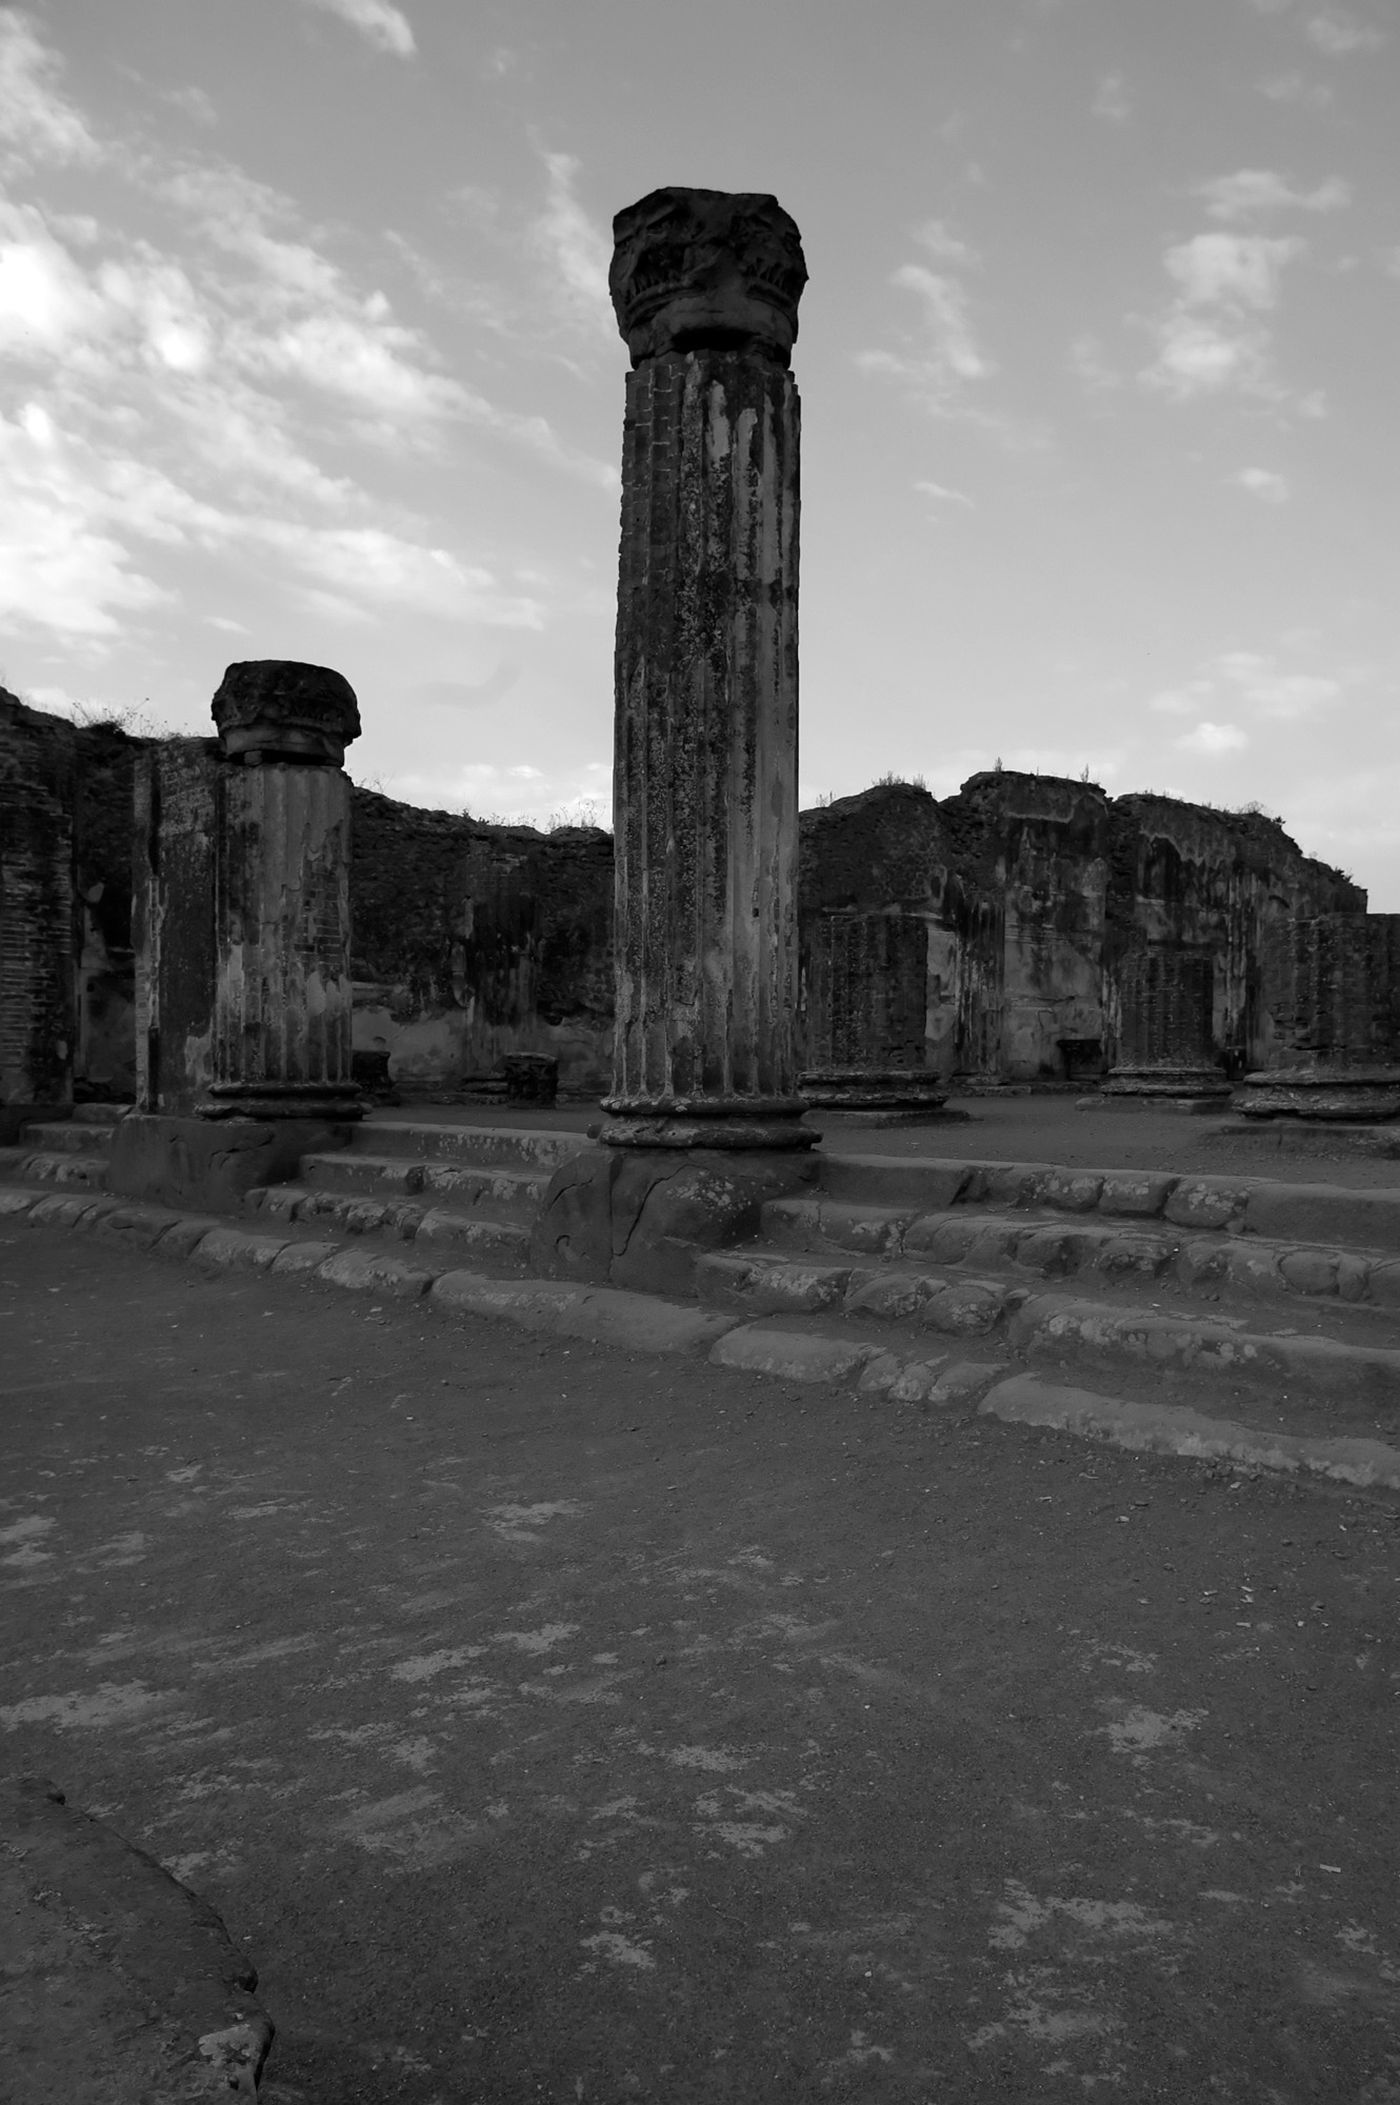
(121, 1986)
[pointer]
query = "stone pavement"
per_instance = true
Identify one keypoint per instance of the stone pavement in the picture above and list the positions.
(549, 1721)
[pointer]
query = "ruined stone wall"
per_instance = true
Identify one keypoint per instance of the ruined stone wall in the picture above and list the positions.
(1038, 846)
(66, 1023)
(38, 1024)
(471, 941)
(889, 850)
(1331, 990)
(102, 845)
(1226, 884)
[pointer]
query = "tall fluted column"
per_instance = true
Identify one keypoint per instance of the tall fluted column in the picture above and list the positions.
(282, 994)
(706, 285)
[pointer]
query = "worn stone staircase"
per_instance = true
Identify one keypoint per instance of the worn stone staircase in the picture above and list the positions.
(1276, 1304)
(1243, 1301)
(466, 1193)
(69, 1152)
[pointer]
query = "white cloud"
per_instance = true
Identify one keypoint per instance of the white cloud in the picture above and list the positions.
(1230, 270)
(1263, 483)
(1213, 738)
(1339, 33)
(36, 120)
(1089, 365)
(1256, 190)
(941, 494)
(386, 27)
(1111, 99)
(938, 364)
(62, 569)
(1211, 340)
(576, 252)
(1244, 679)
(1296, 89)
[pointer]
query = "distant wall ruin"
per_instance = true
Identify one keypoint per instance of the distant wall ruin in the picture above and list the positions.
(1035, 890)
(472, 941)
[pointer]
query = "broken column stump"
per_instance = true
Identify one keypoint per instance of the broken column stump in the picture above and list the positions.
(1332, 989)
(243, 942)
(706, 285)
(867, 993)
(1166, 1050)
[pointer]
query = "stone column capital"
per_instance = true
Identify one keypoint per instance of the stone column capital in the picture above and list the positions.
(707, 270)
(278, 709)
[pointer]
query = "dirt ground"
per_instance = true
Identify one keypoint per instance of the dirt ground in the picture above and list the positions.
(555, 1724)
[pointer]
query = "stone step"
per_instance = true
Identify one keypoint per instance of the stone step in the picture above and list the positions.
(504, 1245)
(41, 1166)
(1334, 1214)
(499, 1194)
(100, 1114)
(1345, 1377)
(69, 1138)
(1052, 1246)
(491, 1147)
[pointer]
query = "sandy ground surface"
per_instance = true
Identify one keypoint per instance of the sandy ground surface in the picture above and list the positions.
(555, 1724)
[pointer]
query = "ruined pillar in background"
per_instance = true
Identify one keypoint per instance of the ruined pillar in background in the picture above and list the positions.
(1332, 993)
(282, 993)
(1166, 1047)
(867, 995)
(242, 931)
(172, 913)
(706, 285)
(38, 1011)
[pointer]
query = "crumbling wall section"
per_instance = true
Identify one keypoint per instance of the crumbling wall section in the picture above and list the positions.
(38, 1019)
(1039, 846)
(888, 850)
(471, 941)
(1226, 884)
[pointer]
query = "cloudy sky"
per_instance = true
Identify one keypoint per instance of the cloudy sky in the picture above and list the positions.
(305, 351)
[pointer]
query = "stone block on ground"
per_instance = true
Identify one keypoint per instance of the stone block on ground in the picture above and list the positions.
(796, 1355)
(367, 1271)
(635, 1217)
(298, 1259)
(239, 1251)
(121, 1985)
(1025, 1399)
(210, 1164)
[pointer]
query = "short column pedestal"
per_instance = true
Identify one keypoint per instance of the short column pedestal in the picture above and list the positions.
(867, 989)
(1166, 1048)
(283, 993)
(1333, 992)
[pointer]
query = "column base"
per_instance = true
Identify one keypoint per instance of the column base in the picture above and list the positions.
(880, 1090)
(1320, 1092)
(169, 1160)
(638, 1217)
(338, 1101)
(1199, 1088)
(738, 1124)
